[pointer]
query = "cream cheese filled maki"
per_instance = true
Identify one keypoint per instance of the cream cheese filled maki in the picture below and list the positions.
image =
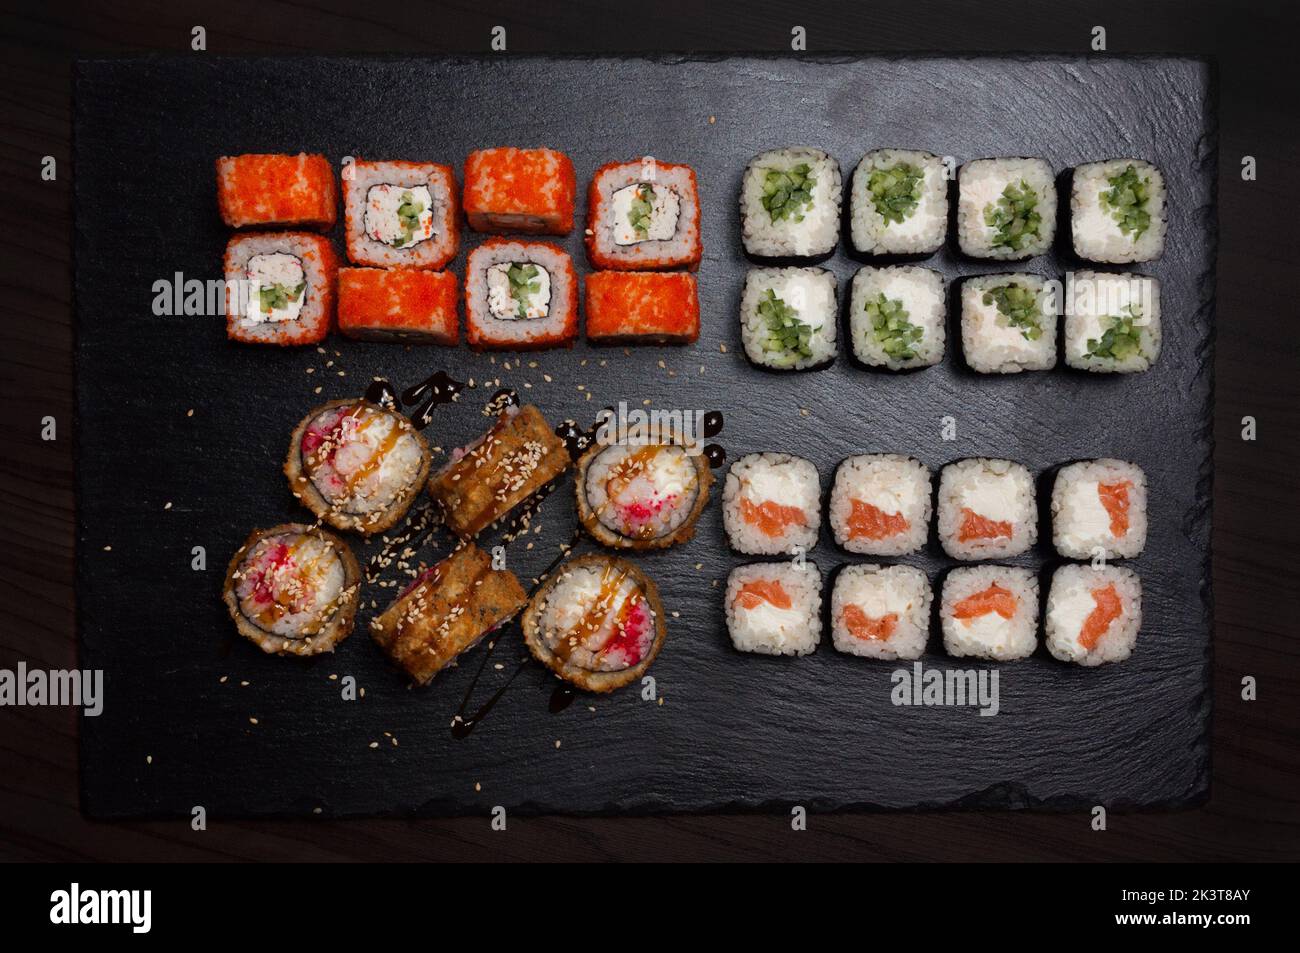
(1117, 211)
(293, 590)
(1006, 208)
(899, 203)
(880, 504)
(986, 509)
(790, 204)
(1112, 322)
(881, 612)
(771, 503)
(788, 317)
(1008, 324)
(1093, 614)
(897, 317)
(643, 215)
(596, 622)
(990, 612)
(641, 496)
(356, 465)
(775, 608)
(1099, 507)
(401, 214)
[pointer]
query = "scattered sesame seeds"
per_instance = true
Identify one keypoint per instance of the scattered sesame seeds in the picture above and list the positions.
(108, 549)
(374, 744)
(557, 742)
(167, 505)
(712, 120)
(148, 759)
(252, 721)
(722, 348)
(190, 412)
(477, 786)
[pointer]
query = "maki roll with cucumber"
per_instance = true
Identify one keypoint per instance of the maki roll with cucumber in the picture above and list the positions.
(1008, 324)
(898, 203)
(1112, 322)
(788, 317)
(644, 215)
(790, 204)
(280, 288)
(897, 317)
(1006, 208)
(401, 214)
(520, 296)
(1117, 211)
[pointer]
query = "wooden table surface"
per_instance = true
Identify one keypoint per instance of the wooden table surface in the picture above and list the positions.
(1252, 813)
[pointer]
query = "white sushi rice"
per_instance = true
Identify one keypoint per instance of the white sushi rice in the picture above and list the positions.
(777, 299)
(811, 229)
(999, 491)
(920, 294)
(873, 593)
(768, 629)
(551, 304)
(1070, 603)
(923, 227)
(673, 233)
(371, 198)
(1081, 524)
(994, 342)
(1124, 304)
(764, 481)
(981, 185)
(895, 486)
(1094, 226)
(990, 635)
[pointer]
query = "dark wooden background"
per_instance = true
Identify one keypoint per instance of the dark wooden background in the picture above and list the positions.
(1252, 813)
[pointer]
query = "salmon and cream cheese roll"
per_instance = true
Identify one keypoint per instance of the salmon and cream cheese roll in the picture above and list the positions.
(1093, 614)
(356, 465)
(293, 590)
(990, 612)
(775, 608)
(597, 622)
(880, 504)
(633, 496)
(987, 509)
(771, 503)
(881, 612)
(1099, 508)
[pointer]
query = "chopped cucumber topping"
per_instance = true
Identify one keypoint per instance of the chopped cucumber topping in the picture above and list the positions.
(896, 335)
(1121, 339)
(896, 191)
(788, 338)
(642, 209)
(787, 193)
(1126, 200)
(1018, 308)
(522, 285)
(408, 217)
(1014, 216)
(279, 296)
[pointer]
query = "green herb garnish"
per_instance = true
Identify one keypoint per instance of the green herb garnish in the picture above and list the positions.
(641, 210)
(1017, 307)
(896, 191)
(1122, 337)
(786, 192)
(896, 335)
(522, 285)
(1014, 216)
(279, 296)
(408, 218)
(786, 334)
(1126, 200)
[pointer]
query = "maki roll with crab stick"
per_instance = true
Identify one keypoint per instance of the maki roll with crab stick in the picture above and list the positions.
(520, 190)
(402, 305)
(641, 496)
(520, 296)
(596, 622)
(401, 214)
(446, 611)
(293, 590)
(643, 215)
(628, 307)
(491, 476)
(276, 191)
(280, 288)
(356, 465)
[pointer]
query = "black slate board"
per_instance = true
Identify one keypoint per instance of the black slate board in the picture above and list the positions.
(733, 731)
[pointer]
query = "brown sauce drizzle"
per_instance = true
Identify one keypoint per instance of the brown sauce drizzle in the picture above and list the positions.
(435, 390)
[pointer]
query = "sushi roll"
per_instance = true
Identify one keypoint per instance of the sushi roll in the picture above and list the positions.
(1008, 324)
(520, 296)
(1117, 211)
(624, 307)
(1006, 208)
(487, 479)
(790, 204)
(1099, 507)
(771, 503)
(446, 611)
(898, 203)
(643, 215)
(596, 622)
(520, 190)
(401, 305)
(897, 317)
(881, 612)
(1112, 324)
(401, 214)
(775, 608)
(990, 612)
(788, 317)
(986, 509)
(280, 288)
(1093, 614)
(356, 465)
(293, 590)
(880, 504)
(641, 496)
(276, 191)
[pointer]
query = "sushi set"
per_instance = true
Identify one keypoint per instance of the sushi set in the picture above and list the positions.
(407, 401)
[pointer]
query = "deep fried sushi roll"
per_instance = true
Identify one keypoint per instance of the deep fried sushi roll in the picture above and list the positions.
(596, 622)
(356, 465)
(276, 191)
(641, 497)
(293, 590)
(447, 611)
(488, 478)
